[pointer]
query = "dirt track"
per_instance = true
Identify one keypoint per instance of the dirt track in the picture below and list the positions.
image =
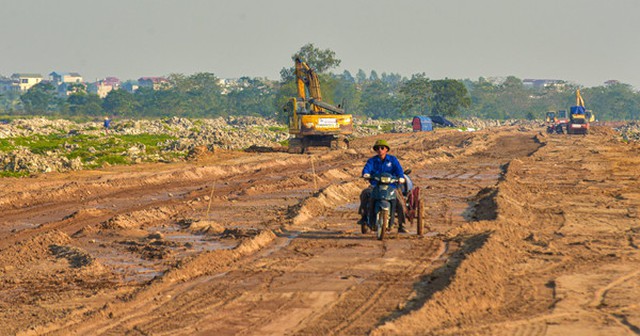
(530, 234)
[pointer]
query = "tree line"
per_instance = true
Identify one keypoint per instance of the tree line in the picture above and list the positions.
(384, 96)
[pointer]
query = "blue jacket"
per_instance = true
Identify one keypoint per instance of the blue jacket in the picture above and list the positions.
(375, 166)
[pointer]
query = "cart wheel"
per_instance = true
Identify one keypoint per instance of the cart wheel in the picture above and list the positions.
(420, 223)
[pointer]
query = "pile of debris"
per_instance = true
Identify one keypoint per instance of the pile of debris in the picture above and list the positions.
(630, 131)
(190, 136)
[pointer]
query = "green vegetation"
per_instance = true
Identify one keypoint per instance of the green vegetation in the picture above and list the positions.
(93, 150)
(38, 144)
(278, 128)
(378, 96)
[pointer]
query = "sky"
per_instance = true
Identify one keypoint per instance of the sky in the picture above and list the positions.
(586, 42)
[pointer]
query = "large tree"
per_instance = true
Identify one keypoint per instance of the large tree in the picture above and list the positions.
(321, 61)
(415, 95)
(40, 98)
(252, 96)
(449, 96)
(83, 103)
(379, 101)
(120, 103)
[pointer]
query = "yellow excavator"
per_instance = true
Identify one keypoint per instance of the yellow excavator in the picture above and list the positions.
(578, 118)
(313, 122)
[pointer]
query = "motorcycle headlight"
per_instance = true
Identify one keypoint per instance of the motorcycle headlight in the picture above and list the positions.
(385, 179)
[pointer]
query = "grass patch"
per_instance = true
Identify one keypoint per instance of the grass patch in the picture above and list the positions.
(278, 128)
(93, 150)
(38, 144)
(6, 173)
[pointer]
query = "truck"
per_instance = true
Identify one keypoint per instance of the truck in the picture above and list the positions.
(313, 122)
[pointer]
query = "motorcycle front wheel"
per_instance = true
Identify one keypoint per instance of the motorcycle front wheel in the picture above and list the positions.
(382, 220)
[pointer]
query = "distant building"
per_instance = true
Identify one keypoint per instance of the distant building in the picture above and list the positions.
(130, 86)
(67, 89)
(544, 83)
(611, 82)
(7, 84)
(104, 86)
(156, 83)
(496, 80)
(24, 81)
(58, 78)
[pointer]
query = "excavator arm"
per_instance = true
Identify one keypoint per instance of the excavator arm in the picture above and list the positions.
(309, 90)
(579, 100)
(307, 79)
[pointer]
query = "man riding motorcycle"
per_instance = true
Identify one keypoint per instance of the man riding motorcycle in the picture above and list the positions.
(378, 164)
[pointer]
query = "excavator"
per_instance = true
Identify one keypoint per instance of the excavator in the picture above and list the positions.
(313, 122)
(578, 119)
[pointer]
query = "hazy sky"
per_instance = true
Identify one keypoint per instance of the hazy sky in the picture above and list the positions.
(583, 41)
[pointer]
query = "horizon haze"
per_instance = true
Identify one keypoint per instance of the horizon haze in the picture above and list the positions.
(585, 42)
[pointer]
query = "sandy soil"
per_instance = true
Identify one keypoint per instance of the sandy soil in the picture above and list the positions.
(529, 234)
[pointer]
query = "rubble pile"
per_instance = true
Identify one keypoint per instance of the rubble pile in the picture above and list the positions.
(187, 136)
(22, 160)
(630, 131)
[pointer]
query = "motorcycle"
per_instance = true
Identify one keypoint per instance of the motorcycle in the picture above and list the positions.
(382, 204)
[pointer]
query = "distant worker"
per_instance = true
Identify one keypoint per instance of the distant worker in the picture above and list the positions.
(107, 124)
(381, 163)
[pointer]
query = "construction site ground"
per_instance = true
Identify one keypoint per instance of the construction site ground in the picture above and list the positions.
(528, 234)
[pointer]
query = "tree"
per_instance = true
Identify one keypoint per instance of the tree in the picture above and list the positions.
(379, 101)
(40, 98)
(613, 102)
(448, 97)
(361, 77)
(82, 103)
(347, 93)
(9, 102)
(373, 76)
(252, 96)
(321, 61)
(120, 103)
(415, 95)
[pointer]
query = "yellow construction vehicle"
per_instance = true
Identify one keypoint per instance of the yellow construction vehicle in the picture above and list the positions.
(313, 122)
(590, 116)
(578, 121)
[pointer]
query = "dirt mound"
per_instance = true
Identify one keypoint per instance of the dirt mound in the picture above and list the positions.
(604, 131)
(137, 219)
(328, 198)
(211, 262)
(198, 226)
(31, 251)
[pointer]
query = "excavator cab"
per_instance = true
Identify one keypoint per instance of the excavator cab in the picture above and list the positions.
(551, 117)
(562, 115)
(590, 116)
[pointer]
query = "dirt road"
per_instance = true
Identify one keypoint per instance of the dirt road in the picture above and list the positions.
(529, 234)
